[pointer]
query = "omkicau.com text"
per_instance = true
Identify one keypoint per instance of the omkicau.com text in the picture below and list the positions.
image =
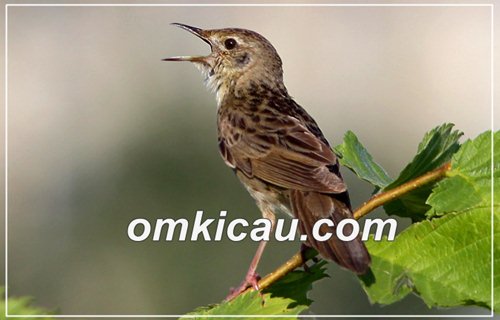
(285, 229)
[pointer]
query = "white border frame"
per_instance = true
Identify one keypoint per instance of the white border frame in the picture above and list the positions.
(492, 12)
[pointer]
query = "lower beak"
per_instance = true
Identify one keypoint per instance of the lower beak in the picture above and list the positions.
(186, 58)
(200, 33)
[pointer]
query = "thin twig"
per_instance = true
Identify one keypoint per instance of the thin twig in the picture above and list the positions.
(293, 263)
(384, 197)
(376, 201)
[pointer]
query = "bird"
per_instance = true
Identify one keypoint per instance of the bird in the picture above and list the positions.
(275, 148)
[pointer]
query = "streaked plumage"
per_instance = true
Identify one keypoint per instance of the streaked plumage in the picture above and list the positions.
(275, 147)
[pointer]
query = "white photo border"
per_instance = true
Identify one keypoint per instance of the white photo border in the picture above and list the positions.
(491, 6)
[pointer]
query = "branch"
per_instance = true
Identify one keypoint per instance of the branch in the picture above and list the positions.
(384, 197)
(300, 258)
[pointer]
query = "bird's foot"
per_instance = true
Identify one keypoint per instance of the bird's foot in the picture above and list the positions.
(303, 249)
(251, 280)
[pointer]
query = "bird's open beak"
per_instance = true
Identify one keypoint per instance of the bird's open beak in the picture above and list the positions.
(200, 33)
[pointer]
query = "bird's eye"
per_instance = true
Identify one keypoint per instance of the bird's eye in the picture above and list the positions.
(230, 43)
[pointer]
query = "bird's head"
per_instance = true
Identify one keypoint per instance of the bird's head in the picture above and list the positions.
(237, 57)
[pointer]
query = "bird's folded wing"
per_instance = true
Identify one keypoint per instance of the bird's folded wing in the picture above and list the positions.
(295, 159)
(295, 171)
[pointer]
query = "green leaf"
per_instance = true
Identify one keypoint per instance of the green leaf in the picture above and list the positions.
(288, 296)
(436, 148)
(469, 182)
(22, 306)
(354, 156)
(447, 260)
(297, 284)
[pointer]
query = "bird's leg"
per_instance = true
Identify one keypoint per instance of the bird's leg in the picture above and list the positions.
(252, 278)
(303, 249)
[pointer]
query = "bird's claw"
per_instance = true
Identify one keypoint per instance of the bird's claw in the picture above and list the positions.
(251, 280)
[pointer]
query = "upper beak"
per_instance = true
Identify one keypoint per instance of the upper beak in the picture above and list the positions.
(200, 33)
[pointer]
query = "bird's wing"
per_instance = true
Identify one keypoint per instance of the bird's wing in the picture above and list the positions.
(291, 158)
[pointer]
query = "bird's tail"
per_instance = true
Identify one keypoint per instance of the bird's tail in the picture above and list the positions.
(309, 207)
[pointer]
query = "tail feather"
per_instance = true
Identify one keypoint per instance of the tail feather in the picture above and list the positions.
(309, 207)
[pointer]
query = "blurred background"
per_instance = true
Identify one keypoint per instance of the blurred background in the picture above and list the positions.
(102, 132)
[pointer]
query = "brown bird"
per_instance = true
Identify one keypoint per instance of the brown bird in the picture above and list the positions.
(273, 145)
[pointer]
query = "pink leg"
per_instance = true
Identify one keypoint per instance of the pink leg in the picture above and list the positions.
(252, 278)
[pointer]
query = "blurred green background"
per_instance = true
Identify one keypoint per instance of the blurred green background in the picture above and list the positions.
(102, 132)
